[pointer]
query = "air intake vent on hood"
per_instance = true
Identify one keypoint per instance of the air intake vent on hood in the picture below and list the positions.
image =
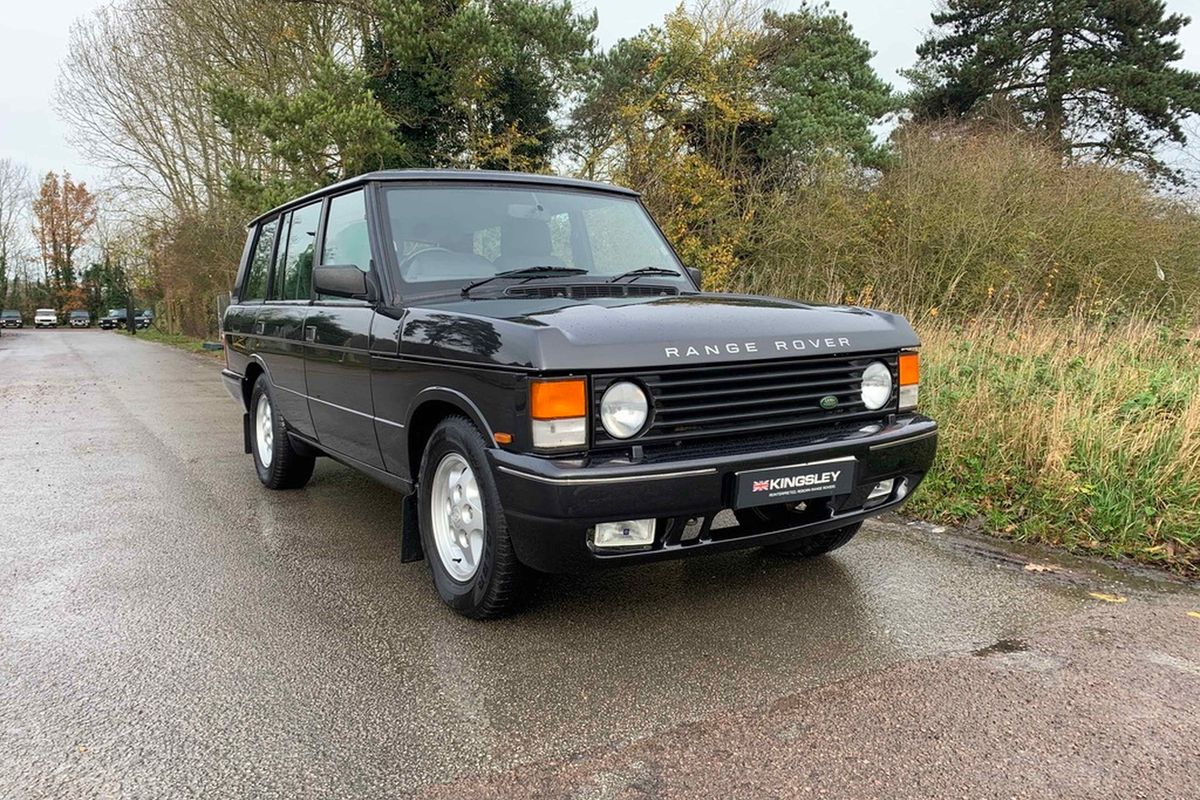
(589, 291)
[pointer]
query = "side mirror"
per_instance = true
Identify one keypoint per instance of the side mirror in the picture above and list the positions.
(343, 280)
(695, 273)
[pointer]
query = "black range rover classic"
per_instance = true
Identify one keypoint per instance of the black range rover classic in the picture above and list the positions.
(527, 361)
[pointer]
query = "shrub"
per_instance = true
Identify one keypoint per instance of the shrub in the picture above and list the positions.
(963, 220)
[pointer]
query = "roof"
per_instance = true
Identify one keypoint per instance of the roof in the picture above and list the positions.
(463, 175)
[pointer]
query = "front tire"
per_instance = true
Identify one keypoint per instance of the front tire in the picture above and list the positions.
(463, 529)
(277, 463)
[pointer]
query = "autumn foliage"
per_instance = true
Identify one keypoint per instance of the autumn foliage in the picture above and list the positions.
(63, 212)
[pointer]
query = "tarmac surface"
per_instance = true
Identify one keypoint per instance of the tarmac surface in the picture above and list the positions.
(170, 628)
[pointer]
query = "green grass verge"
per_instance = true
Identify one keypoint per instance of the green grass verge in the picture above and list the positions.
(189, 343)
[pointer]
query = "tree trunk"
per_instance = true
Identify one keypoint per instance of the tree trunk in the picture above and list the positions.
(1055, 80)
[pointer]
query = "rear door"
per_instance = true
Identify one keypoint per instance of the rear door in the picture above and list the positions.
(238, 324)
(338, 337)
(280, 321)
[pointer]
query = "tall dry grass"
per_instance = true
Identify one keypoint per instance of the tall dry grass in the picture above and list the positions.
(1068, 431)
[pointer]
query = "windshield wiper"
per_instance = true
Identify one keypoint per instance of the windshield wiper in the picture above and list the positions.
(528, 273)
(634, 274)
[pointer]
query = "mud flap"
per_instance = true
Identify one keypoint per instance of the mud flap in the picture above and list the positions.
(410, 531)
(247, 432)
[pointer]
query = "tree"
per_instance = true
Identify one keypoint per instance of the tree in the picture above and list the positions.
(426, 84)
(14, 197)
(821, 89)
(63, 213)
(720, 104)
(1094, 76)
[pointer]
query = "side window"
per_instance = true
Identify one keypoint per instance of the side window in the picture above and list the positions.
(277, 271)
(346, 239)
(293, 279)
(255, 287)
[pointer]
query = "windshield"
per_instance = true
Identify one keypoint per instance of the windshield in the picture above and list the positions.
(447, 236)
(46, 311)
(116, 312)
(78, 314)
(11, 313)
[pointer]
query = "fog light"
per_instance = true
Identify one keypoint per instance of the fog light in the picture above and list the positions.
(902, 489)
(628, 533)
(882, 489)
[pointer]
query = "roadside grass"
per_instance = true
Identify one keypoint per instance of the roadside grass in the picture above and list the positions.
(1070, 432)
(183, 342)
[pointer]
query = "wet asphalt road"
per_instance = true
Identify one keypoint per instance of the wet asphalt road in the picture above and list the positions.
(170, 628)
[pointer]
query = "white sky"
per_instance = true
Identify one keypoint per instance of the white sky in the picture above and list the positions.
(33, 40)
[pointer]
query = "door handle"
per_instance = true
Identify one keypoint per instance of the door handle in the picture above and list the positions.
(310, 333)
(259, 327)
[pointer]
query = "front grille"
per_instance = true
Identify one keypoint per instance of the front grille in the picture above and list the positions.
(739, 399)
(590, 291)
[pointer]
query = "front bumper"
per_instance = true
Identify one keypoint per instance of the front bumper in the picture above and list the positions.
(551, 504)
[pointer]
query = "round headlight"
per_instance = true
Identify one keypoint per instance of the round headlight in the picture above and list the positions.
(623, 409)
(876, 385)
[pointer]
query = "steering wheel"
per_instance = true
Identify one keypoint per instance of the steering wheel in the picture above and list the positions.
(404, 265)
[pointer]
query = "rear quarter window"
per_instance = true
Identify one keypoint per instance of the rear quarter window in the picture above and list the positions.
(255, 287)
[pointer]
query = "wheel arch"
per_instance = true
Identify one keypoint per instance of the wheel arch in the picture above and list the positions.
(429, 408)
(253, 369)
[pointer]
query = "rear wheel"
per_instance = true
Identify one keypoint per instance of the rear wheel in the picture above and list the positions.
(463, 529)
(278, 464)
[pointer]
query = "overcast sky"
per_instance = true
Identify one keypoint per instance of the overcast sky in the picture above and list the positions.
(33, 40)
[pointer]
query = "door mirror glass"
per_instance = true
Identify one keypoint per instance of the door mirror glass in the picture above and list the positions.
(342, 280)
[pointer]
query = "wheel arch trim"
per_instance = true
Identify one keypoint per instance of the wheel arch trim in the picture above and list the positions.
(455, 398)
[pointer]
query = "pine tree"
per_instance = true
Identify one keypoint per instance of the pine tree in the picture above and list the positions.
(1094, 76)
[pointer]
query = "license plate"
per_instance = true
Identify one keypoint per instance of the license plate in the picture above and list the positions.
(762, 487)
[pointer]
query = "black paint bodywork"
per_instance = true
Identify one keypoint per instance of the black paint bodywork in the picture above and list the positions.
(365, 382)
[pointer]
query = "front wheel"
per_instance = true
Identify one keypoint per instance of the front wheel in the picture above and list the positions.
(277, 463)
(463, 529)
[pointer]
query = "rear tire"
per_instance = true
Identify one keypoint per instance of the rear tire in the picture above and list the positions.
(816, 545)
(465, 536)
(277, 463)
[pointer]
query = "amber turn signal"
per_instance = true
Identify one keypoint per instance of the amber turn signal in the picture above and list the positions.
(910, 369)
(560, 399)
(502, 438)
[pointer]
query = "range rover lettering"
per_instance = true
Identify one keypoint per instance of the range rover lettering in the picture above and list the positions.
(525, 359)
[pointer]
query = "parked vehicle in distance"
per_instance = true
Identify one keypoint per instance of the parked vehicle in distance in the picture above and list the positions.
(527, 361)
(45, 318)
(79, 319)
(144, 318)
(11, 318)
(114, 318)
